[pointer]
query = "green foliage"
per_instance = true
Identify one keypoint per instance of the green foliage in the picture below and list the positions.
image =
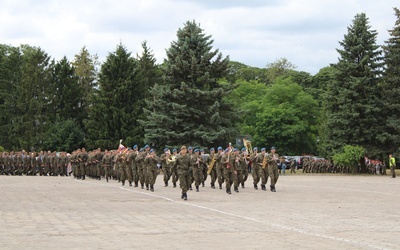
(85, 68)
(63, 136)
(112, 115)
(288, 119)
(390, 134)
(189, 106)
(1, 149)
(349, 156)
(352, 101)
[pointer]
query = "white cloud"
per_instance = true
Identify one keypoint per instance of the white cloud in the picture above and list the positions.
(252, 32)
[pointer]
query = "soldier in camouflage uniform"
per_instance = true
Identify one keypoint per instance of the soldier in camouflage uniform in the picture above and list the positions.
(263, 170)
(256, 166)
(174, 170)
(166, 165)
(204, 166)
(213, 173)
(140, 166)
(219, 167)
(183, 164)
(135, 171)
(245, 170)
(272, 160)
(197, 164)
(151, 162)
(228, 162)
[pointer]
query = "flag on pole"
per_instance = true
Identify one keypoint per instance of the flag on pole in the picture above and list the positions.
(121, 147)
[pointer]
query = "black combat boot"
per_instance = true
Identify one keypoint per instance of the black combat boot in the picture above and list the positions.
(107, 178)
(130, 184)
(236, 189)
(152, 188)
(263, 187)
(185, 196)
(255, 187)
(123, 183)
(242, 185)
(202, 184)
(142, 186)
(197, 188)
(220, 186)
(190, 188)
(182, 196)
(147, 186)
(166, 183)
(136, 184)
(228, 191)
(174, 185)
(272, 188)
(212, 185)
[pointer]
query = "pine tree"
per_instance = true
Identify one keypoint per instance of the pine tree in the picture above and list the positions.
(189, 106)
(34, 99)
(353, 104)
(85, 68)
(391, 89)
(67, 92)
(112, 116)
(10, 75)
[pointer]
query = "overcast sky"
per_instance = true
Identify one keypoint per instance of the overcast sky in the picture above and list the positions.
(253, 32)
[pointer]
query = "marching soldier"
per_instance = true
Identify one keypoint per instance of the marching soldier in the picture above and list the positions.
(140, 166)
(219, 167)
(228, 162)
(242, 171)
(263, 168)
(183, 164)
(151, 161)
(135, 172)
(174, 170)
(255, 172)
(204, 166)
(213, 173)
(197, 164)
(272, 159)
(166, 162)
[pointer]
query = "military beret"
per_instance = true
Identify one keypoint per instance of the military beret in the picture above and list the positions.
(243, 149)
(135, 146)
(263, 149)
(196, 150)
(166, 149)
(189, 148)
(147, 146)
(273, 148)
(212, 149)
(219, 148)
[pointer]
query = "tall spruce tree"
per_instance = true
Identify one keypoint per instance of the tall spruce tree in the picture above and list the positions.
(112, 116)
(391, 88)
(34, 99)
(67, 91)
(353, 104)
(190, 106)
(85, 65)
(10, 77)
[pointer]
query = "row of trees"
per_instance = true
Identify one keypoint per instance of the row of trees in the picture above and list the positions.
(201, 98)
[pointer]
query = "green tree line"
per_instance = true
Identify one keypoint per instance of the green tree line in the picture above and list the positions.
(198, 97)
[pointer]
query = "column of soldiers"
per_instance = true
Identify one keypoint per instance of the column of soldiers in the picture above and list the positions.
(140, 166)
(311, 165)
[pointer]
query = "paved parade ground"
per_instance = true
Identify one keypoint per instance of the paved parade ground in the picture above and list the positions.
(307, 212)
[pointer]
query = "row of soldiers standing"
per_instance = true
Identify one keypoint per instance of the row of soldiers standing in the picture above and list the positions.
(33, 163)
